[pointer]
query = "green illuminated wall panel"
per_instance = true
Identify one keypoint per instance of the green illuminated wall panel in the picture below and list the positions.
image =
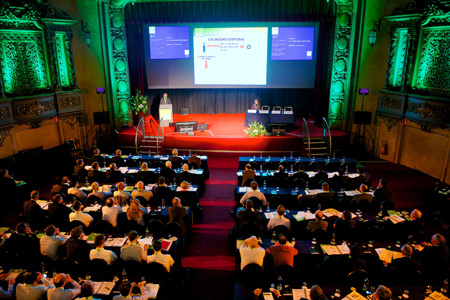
(23, 62)
(399, 62)
(63, 62)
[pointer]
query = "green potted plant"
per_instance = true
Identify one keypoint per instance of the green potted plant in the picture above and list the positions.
(255, 129)
(138, 106)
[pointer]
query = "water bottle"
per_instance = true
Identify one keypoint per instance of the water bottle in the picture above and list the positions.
(319, 207)
(444, 286)
(265, 184)
(292, 168)
(268, 206)
(104, 164)
(260, 154)
(292, 155)
(284, 158)
(280, 283)
(174, 182)
(366, 285)
(274, 237)
(147, 232)
(346, 170)
(333, 239)
(260, 167)
(436, 185)
(306, 187)
(269, 157)
(334, 155)
(163, 204)
(380, 213)
(124, 275)
(314, 159)
(87, 181)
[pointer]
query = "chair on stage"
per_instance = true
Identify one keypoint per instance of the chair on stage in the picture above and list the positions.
(277, 108)
(288, 108)
(265, 107)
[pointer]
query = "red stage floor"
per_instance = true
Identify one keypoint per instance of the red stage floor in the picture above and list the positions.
(225, 134)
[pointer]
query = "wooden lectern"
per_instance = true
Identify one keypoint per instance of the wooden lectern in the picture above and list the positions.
(165, 112)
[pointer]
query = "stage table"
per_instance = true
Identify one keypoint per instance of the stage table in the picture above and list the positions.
(335, 163)
(270, 118)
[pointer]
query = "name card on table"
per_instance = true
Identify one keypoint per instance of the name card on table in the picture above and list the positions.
(251, 111)
(288, 112)
(276, 112)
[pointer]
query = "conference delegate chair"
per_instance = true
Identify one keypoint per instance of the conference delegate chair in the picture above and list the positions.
(268, 166)
(131, 163)
(74, 224)
(281, 229)
(277, 108)
(121, 200)
(282, 181)
(356, 278)
(92, 199)
(100, 270)
(257, 203)
(193, 165)
(146, 177)
(104, 226)
(288, 108)
(252, 274)
(130, 179)
(321, 235)
(161, 193)
(299, 182)
(129, 225)
(142, 200)
(248, 229)
(265, 108)
(248, 182)
(158, 164)
(174, 229)
(156, 228)
(287, 272)
(69, 266)
(312, 166)
(274, 201)
(135, 270)
(156, 273)
(285, 164)
(176, 162)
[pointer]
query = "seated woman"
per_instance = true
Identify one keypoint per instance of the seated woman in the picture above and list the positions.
(136, 212)
(256, 105)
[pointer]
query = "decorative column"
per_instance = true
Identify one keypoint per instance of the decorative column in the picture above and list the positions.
(53, 58)
(342, 64)
(391, 60)
(68, 47)
(115, 52)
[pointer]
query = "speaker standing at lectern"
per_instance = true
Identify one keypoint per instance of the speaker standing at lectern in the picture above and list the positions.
(165, 99)
(256, 105)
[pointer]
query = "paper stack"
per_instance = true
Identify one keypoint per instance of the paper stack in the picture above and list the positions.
(388, 255)
(335, 250)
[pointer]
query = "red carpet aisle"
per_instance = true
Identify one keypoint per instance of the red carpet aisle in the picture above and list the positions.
(207, 254)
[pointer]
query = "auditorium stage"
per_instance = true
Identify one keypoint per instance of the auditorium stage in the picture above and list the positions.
(225, 134)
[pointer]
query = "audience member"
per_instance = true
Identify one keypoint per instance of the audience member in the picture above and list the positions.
(248, 215)
(77, 248)
(164, 259)
(110, 211)
(61, 186)
(320, 177)
(364, 196)
(177, 214)
(141, 192)
(279, 219)
(193, 159)
(282, 253)
(59, 291)
(94, 175)
(175, 159)
(113, 175)
(125, 289)
(132, 250)
(405, 264)
(434, 257)
(185, 175)
(251, 252)
(339, 181)
(301, 173)
(319, 223)
(50, 242)
(98, 193)
(24, 245)
(325, 197)
(382, 191)
(167, 172)
(31, 289)
(87, 290)
(247, 174)
(73, 190)
(79, 170)
(118, 159)
(78, 215)
(100, 252)
(136, 212)
(253, 193)
(32, 210)
(97, 157)
(58, 211)
(123, 196)
(6, 180)
(144, 174)
(382, 293)
(344, 224)
(9, 292)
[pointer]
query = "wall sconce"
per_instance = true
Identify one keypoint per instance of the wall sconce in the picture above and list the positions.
(87, 33)
(373, 32)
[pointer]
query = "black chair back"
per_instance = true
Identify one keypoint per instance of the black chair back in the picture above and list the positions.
(321, 235)
(155, 272)
(156, 228)
(287, 272)
(256, 202)
(252, 274)
(104, 226)
(134, 269)
(69, 266)
(174, 229)
(100, 270)
(91, 199)
(356, 278)
(74, 224)
(248, 229)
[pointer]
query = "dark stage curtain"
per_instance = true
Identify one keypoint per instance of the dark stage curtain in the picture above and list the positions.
(312, 101)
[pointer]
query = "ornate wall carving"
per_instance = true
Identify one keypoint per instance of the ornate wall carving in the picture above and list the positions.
(33, 110)
(4, 132)
(70, 102)
(342, 57)
(390, 121)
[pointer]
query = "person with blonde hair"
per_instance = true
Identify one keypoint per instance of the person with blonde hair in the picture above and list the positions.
(136, 212)
(175, 159)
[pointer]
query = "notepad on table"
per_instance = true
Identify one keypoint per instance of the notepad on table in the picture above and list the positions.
(146, 241)
(388, 255)
(335, 250)
(166, 244)
(103, 288)
(298, 294)
(354, 296)
(153, 289)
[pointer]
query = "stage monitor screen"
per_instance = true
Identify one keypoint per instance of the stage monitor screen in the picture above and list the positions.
(169, 42)
(292, 43)
(230, 55)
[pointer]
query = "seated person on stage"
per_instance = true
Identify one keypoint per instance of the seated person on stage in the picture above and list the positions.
(251, 252)
(248, 215)
(100, 253)
(301, 173)
(73, 190)
(132, 250)
(141, 192)
(254, 193)
(382, 293)
(247, 174)
(113, 174)
(282, 253)
(339, 181)
(78, 215)
(195, 159)
(405, 264)
(97, 157)
(364, 196)
(118, 159)
(79, 170)
(61, 186)
(164, 259)
(320, 176)
(96, 192)
(120, 193)
(51, 241)
(126, 288)
(110, 211)
(30, 289)
(168, 173)
(136, 212)
(144, 174)
(95, 174)
(59, 290)
(87, 291)
(185, 175)
(319, 223)
(256, 105)
(177, 213)
(77, 248)
(165, 99)
(32, 210)
(175, 159)
(279, 219)
(382, 191)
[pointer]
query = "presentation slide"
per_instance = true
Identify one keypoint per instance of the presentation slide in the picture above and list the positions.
(169, 42)
(292, 43)
(230, 56)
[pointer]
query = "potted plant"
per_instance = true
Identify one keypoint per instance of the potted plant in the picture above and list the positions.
(138, 106)
(255, 129)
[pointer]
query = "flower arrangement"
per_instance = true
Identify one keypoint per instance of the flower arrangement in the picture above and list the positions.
(256, 129)
(139, 103)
